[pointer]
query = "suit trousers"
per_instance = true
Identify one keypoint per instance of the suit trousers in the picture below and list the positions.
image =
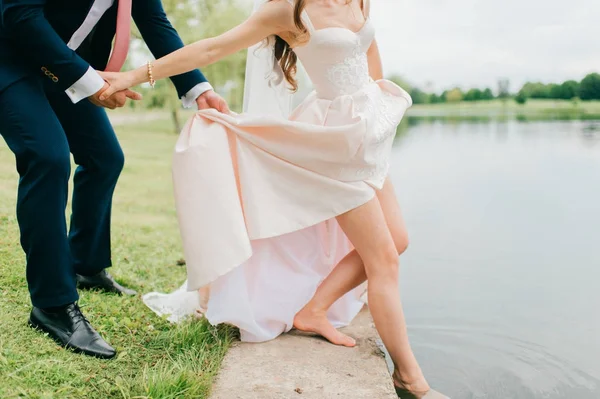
(42, 127)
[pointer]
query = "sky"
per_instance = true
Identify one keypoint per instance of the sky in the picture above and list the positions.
(438, 44)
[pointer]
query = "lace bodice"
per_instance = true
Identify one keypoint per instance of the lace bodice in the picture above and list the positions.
(335, 58)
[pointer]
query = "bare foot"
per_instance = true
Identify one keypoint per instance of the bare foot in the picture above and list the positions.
(316, 322)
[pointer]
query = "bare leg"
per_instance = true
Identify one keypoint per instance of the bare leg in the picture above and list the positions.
(349, 274)
(367, 229)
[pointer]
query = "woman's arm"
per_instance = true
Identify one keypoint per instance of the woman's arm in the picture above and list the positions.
(375, 66)
(273, 18)
(163, 39)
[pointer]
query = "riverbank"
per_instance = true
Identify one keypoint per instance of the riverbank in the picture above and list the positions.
(533, 109)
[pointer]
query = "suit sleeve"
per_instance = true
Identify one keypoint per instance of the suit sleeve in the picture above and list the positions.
(23, 22)
(163, 39)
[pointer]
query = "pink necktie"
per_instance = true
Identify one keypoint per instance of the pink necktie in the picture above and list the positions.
(119, 53)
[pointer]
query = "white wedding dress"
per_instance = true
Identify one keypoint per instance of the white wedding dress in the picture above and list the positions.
(257, 195)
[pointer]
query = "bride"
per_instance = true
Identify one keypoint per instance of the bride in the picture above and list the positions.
(286, 216)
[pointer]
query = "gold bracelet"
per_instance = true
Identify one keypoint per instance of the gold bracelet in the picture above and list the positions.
(150, 76)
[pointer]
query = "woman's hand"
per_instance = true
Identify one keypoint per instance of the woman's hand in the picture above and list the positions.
(118, 81)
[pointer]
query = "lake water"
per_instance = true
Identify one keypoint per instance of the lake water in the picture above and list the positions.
(501, 282)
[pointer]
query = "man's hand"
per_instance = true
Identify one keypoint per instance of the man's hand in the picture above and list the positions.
(117, 100)
(210, 99)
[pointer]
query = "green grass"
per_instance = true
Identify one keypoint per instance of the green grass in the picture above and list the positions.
(533, 109)
(156, 359)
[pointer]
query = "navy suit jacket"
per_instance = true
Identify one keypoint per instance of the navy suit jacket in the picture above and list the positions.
(34, 33)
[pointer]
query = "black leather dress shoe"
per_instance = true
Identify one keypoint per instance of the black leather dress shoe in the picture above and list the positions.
(70, 329)
(102, 281)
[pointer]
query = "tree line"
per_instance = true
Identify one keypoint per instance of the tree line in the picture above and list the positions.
(454, 95)
(586, 89)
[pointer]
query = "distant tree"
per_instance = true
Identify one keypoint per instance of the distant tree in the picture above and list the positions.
(503, 88)
(521, 98)
(564, 91)
(474, 95)
(444, 96)
(590, 87)
(419, 96)
(536, 90)
(527, 89)
(435, 99)
(555, 91)
(487, 94)
(454, 96)
(569, 90)
(541, 90)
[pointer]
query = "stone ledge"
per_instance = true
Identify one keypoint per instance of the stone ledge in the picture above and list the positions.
(295, 366)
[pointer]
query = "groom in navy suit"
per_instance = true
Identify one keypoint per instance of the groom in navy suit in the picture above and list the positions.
(50, 51)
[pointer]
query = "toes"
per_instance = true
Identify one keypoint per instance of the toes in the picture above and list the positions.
(347, 341)
(337, 338)
(350, 342)
(322, 327)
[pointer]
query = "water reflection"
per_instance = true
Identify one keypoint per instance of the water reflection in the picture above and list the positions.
(589, 130)
(590, 133)
(500, 283)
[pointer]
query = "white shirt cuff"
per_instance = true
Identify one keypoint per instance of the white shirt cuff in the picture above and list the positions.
(189, 100)
(90, 83)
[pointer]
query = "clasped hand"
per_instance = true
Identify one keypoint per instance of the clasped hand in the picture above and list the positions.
(115, 100)
(120, 82)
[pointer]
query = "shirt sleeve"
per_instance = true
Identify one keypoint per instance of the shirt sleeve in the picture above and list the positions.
(90, 83)
(189, 100)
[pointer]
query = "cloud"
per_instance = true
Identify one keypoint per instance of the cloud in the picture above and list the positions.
(475, 42)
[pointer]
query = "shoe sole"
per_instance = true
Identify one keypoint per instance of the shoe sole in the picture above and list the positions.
(67, 346)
